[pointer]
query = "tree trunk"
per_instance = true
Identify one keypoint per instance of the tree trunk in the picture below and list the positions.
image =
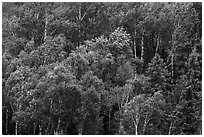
(120, 114)
(136, 130)
(170, 128)
(157, 43)
(34, 128)
(136, 127)
(142, 48)
(172, 66)
(58, 125)
(135, 51)
(46, 23)
(80, 18)
(172, 56)
(16, 128)
(135, 122)
(80, 130)
(145, 124)
(40, 129)
(79, 25)
(134, 45)
(6, 121)
(109, 121)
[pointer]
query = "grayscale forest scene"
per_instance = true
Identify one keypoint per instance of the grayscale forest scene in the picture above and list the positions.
(101, 68)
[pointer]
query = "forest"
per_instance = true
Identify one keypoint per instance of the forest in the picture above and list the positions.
(101, 68)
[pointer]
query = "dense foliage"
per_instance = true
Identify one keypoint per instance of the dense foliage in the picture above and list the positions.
(101, 68)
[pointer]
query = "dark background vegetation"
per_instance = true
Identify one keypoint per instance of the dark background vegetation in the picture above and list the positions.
(101, 68)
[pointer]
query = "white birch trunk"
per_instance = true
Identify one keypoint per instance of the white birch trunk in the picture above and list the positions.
(46, 23)
(135, 122)
(6, 121)
(134, 44)
(40, 129)
(16, 128)
(171, 125)
(34, 128)
(136, 126)
(142, 48)
(58, 125)
(172, 66)
(145, 123)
